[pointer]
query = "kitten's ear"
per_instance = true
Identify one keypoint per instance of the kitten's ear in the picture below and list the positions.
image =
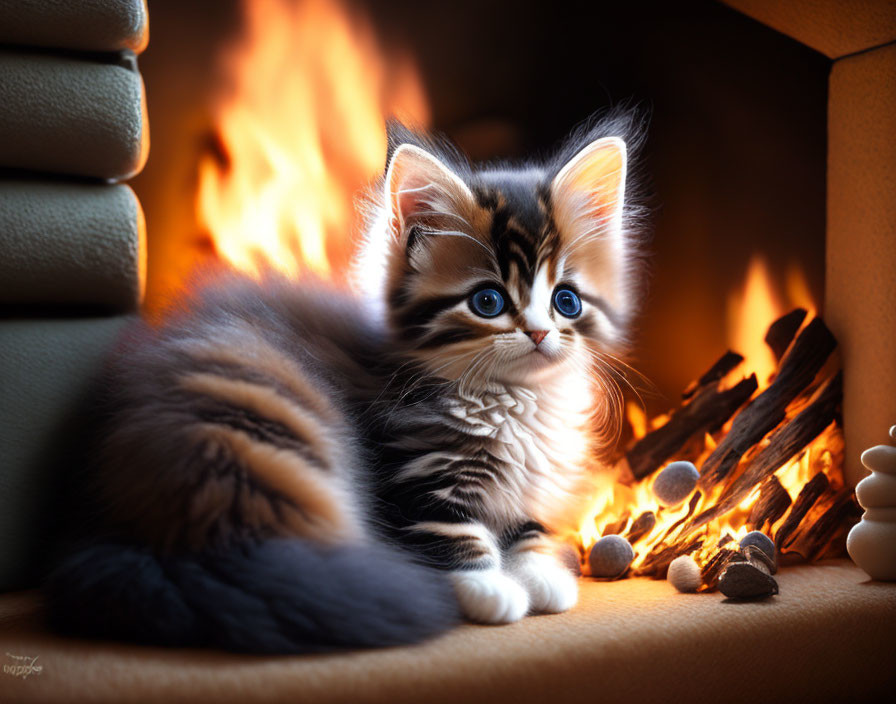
(590, 189)
(420, 189)
(587, 196)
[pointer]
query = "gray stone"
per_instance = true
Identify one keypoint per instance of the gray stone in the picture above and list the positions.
(763, 542)
(610, 557)
(675, 483)
(745, 580)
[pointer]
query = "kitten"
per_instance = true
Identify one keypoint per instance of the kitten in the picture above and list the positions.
(289, 468)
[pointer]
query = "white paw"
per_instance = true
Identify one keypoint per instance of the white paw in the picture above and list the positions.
(489, 596)
(552, 588)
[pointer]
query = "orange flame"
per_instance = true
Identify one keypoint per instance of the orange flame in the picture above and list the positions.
(302, 130)
(616, 505)
(756, 306)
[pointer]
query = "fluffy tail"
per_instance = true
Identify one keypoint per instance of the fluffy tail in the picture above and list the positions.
(281, 596)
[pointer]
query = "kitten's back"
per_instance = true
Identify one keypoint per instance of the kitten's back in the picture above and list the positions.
(231, 484)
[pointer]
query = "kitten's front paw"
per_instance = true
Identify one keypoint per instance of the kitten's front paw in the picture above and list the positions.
(489, 596)
(552, 588)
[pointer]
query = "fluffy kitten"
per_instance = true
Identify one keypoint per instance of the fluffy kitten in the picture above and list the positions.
(287, 468)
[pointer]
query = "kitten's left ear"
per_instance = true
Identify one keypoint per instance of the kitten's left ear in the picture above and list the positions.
(587, 197)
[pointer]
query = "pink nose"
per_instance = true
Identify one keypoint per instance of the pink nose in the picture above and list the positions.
(537, 335)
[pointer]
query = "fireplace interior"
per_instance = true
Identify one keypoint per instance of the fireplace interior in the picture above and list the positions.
(750, 163)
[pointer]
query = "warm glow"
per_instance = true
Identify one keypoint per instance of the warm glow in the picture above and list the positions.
(616, 505)
(755, 306)
(302, 130)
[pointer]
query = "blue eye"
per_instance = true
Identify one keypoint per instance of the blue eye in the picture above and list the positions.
(487, 302)
(567, 302)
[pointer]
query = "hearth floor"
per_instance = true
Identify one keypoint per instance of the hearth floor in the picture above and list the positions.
(829, 635)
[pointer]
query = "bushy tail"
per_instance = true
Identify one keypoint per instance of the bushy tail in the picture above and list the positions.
(280, 596)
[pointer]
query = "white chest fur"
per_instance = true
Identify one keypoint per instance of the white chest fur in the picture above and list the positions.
(541, 435)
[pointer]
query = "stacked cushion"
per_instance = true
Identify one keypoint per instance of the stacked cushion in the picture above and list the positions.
(72, 242)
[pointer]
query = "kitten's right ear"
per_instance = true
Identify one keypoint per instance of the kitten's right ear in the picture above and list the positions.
(420, 189)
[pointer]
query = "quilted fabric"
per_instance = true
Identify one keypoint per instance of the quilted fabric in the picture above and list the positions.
(70, 116)
(47, 368)
(89, 25)
(71, 244)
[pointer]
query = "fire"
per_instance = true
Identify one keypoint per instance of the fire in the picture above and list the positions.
(755, 306)
(625, 508)
(301, 131)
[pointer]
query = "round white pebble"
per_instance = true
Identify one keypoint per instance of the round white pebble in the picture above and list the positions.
(610, 557)
(880, 458)
(684, 574)
(675, 483)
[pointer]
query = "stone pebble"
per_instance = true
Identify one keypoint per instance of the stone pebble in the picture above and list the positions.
(675, 483)
(872, 542)
(684, 574)
(880, 458)
(761, 541)
(610, 557)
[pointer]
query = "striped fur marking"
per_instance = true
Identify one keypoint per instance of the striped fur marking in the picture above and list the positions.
(320, 509)
(268, 404)
(246, 350)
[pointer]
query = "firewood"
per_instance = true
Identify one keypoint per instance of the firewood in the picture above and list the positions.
(772, 504)
(781, 332)
(783, 445)
(642, 526)
(617, 527)
(706, 412)
(657, 561)
(842, 514)
(798, 368)
(750, 578)
(712, 569)
(806, 499)
(726, 363)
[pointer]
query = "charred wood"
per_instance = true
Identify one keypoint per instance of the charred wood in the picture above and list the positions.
(798, 368)
(772, 504)
(642, 526)
(781, 332)
(784, 444)
(707, 411)
(809, 494)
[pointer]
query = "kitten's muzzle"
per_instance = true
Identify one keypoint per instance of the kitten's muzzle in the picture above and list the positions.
(536, 335)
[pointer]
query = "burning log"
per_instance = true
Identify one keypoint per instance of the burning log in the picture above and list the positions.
(707, 410)
(772, 504)
(712, 569)
(766, 444)
(658, 560)
(815, 538)
(784, 443)
(809, 494)
(798, 368)
(781, 332)
(726, 363)
(642, 526)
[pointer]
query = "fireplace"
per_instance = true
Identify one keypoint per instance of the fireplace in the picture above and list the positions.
(269, 93)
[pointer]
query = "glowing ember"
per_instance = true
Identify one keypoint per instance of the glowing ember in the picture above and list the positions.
(629, 508)
(301, 130)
